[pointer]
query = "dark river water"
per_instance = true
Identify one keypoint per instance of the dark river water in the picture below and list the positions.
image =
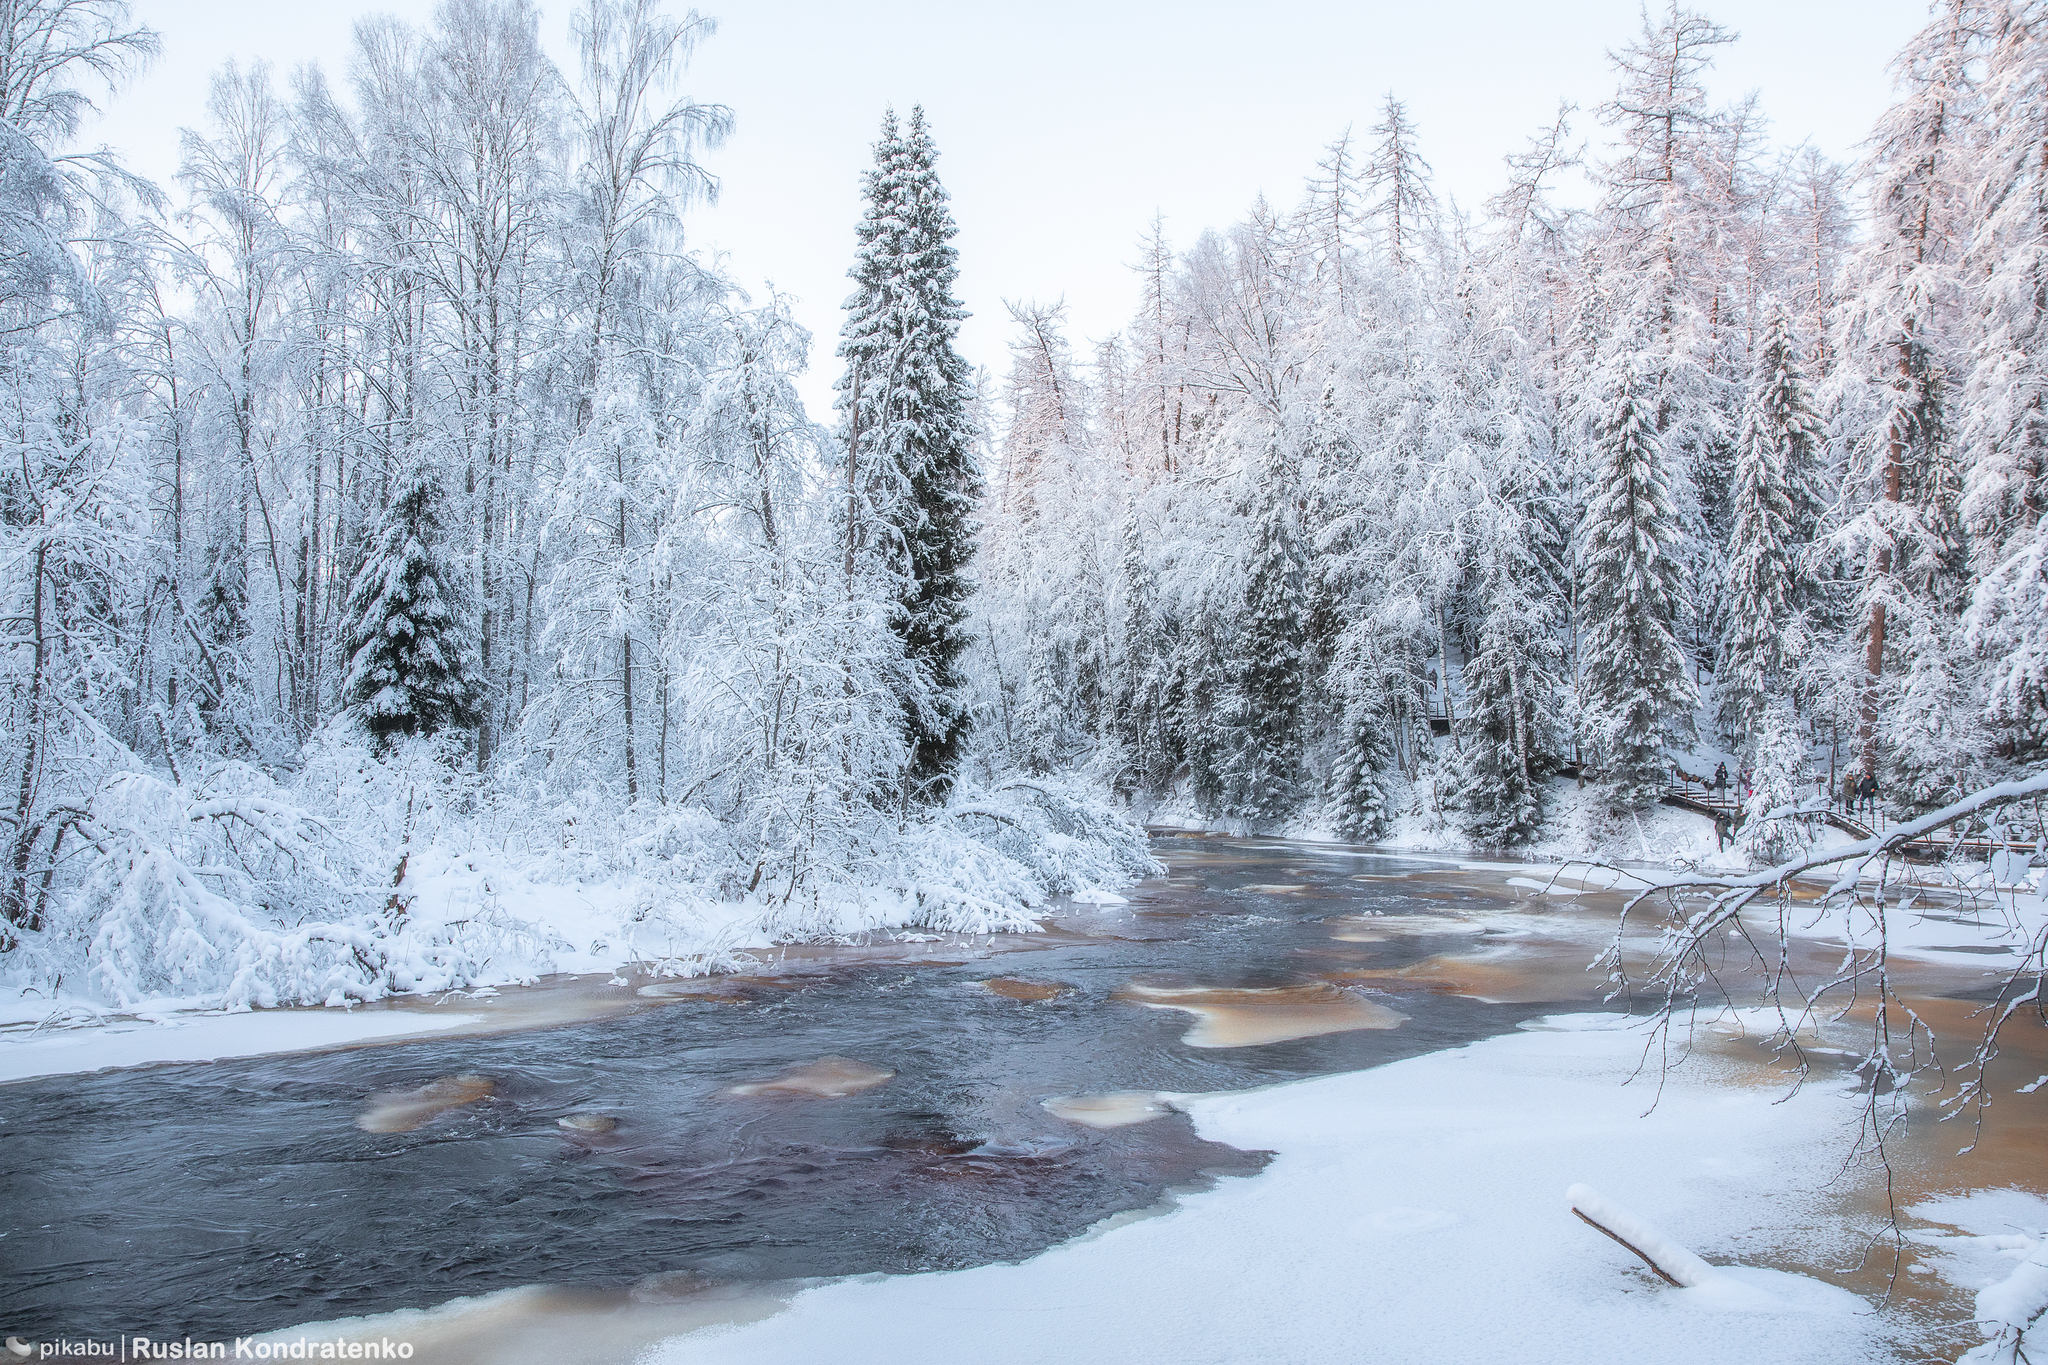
(235, 1197)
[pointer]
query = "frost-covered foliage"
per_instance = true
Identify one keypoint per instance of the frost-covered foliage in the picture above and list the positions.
(223, 887)
(1775, 456)
(1640, 695)
(1375, 503)
(1777, 785)
(909, 439)
(411, 663)
(220, 883)
(409, 530)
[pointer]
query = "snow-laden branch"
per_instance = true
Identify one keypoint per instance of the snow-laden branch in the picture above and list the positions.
(1900, 1043)
(2008, 1309)
(1739, 891)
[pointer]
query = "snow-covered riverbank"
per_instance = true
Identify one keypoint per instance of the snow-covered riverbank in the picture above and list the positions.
(1416, 1213)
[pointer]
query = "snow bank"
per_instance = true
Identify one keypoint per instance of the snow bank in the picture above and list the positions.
(79, 1041)
(1411, 1215)
(363, 875)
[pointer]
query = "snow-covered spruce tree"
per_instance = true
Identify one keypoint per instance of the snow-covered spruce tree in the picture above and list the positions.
(1262, 774)
(1664, 231)
(1127, 719)
(1637, 694)
(1501, 765)
(1360, 804)
(1780, 783)
(410, 647)
(1935, 745)
(1511, 677)
(910, 471)
(1774, 459)
(2004, 414)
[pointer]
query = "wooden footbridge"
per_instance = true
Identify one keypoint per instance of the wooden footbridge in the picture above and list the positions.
(1720, 803)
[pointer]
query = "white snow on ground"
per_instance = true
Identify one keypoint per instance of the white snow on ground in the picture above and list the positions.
(1415, 1213)
(2001, 1251)
(79, 1041)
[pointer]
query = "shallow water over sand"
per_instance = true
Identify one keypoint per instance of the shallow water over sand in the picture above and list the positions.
(670, 1150)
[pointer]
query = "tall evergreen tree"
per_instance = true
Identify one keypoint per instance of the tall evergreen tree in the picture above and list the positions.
(1506, 680)
(1773, 484)
(1263, 772)
(1637, 693)
(1909, 529)
(1360, 804)
(1780, 784)
(412, 657)
(911, 474)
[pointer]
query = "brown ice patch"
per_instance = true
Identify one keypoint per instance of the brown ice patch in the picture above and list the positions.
(401, 1111)
(1925, 1159)
(1118, 1109)
(1018, 988)
(831, 1078)
(1495, 981)
(1249, 1016)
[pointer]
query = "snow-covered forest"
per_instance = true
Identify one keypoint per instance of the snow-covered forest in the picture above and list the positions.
(398, 520)
(1745, 455)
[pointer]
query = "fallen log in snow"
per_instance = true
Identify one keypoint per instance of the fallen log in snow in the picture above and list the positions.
(1673, 1263)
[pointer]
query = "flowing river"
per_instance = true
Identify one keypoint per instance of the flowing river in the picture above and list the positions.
(838, 1112)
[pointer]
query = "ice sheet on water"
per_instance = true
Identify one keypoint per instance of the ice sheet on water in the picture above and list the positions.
(1118, 1109)
(1251, 1016)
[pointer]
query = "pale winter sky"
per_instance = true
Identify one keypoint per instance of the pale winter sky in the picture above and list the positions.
(1064, 124)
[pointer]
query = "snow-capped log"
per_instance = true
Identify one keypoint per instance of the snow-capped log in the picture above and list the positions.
(1675, 1265)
